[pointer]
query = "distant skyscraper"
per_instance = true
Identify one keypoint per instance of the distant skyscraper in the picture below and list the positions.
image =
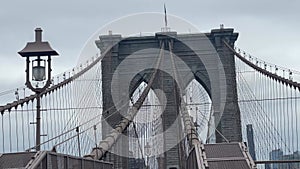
(276, 155)
(135, 163)
(294, 156)
(250, 139)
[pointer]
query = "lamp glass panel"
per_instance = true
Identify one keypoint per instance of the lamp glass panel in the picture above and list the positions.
(38, 73)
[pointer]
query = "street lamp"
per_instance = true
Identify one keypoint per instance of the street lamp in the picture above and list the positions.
(36, 52)
(147, 153)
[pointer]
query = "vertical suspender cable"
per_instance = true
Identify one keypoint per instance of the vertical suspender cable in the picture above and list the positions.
(52, 116)
(17, 135)
(67, 107)
(267, 106)
(292, 119)
(49, 114)
(296, 120)
(282, 113)
(78, 139)
(54, 107)
(59, 114)
(9, 125)
(278, 109)
(43, 117)
(28, 122)
(287, 117)
(262, 96)
(296, 117)
(23, 126)
(45, 121)
(57, 127)
(2, 129)
(272, 112)
(33, 121)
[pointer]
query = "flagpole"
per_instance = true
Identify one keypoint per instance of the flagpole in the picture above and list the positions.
(165, 29)
(166, 19)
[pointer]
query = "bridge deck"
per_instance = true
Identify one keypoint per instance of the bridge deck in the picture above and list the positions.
(228, 156)
(49, 160)
(15, 160)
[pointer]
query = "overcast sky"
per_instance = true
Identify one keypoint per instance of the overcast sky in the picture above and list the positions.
(268, 29)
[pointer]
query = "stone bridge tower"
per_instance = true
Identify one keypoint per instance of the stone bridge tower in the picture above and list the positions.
(209, 62)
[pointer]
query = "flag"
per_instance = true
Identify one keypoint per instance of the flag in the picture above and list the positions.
(166, 20)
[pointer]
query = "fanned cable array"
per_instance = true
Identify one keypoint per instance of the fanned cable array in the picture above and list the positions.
(269, 100)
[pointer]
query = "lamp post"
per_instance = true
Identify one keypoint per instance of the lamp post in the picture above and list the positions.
(36, 52)
(147, 153)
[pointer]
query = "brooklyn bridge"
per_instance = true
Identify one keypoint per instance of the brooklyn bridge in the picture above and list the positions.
(166, 100)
